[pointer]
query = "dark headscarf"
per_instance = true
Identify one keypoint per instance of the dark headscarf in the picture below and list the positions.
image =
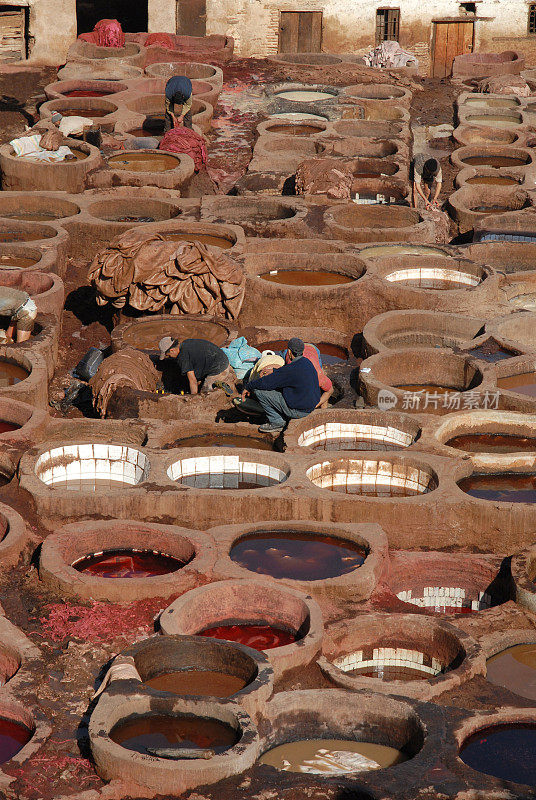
(179, 89)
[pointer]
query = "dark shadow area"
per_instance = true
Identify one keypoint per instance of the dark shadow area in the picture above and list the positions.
(81, 302)
(133, 16)
(8, 103)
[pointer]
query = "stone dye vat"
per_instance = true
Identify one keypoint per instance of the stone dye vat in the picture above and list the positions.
(331, 756)
(285, 624)
(92, 467)
(145, 333)
(225, 472)
(506, 751)
(373, 478)
(508, 487)
(123, 560)
(409, 329)
(403, 654)
(366, 430)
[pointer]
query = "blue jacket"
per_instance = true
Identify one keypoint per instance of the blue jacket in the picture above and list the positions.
(297, 381)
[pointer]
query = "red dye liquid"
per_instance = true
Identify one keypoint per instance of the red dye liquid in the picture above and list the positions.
(13, 737)
(128, 564)
(86, 93)
(259, 637)
(8, 427)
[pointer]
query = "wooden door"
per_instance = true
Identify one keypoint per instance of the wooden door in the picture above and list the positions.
(451, 38)
(12, 35)
(192, 17)
(300, 32)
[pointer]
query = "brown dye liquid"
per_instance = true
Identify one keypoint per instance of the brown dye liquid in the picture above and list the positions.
(227, 480)
(506, 487)
(317, 277)
(495, 161)
(202, 683)
(318, 756)
(141, 132)
(8, 427)
(30, 216)
(297, 556)
(180, 730)
(126, 563)
(89, 113)
(489, 180)
(10, 374)
(13, 737)
(367, 174)
(493, 443)
(515, 669)
(390, 673)
(204, 238)
(21, 236)
(144, 162)
(294, 130)
(499, 120)
(222, 440)
(490, 209)
(21, 262)
(507, 752)
(146, 335)
(331, 353)
(90, 484)
(524, 383)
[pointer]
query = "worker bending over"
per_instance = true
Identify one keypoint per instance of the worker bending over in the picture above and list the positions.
(21, 311)
(178, 103)
(427, 176)
(204, 363)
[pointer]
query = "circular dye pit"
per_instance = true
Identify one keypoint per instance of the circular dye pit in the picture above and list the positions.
(259, 637)
(331, 353)
(499, 443)
(495, 120)
(490, 180)
(29, 216)
(89, 113)
(16, 262)
(148, 733)
(395, 664)
(441, 599)
(524, 383)
(205, 238)
(497, 162)
(144, 162)
(198, 682)
(331, 756)
(515, 669)
(304, 96)
(371, 478)
(128, 563)
(11, 373)
(433, 278)
(306, 277)
(507, 752)
(297, 115)
(353, 436)
(223, 440)
(504, 487)
(494, 102)
(92, 467)
(13, 737)
(297, 556)
(224, 472)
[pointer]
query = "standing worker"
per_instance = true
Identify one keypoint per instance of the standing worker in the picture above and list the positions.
(426, 174)
(178, 102)
(21, 311)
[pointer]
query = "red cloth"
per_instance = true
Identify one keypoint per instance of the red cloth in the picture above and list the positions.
(310, 353)
(165, 40)
(185, 140)
(106, 33)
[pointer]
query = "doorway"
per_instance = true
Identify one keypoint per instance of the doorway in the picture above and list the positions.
(192, 17)
(450, 38)
(13, 33)
(132, 14)
(300, 32)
